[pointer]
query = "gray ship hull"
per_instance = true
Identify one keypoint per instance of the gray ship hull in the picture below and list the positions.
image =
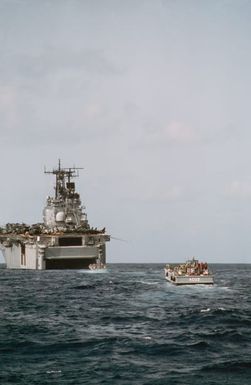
(41, 254)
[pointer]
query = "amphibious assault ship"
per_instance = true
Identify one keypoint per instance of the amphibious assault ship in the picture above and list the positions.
(64, 240)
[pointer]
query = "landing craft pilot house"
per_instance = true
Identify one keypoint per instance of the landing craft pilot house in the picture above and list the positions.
(64, 240)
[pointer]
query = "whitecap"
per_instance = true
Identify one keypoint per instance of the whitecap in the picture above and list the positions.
(97, 271)
(205, 310)
(148, 283)
(53, 371)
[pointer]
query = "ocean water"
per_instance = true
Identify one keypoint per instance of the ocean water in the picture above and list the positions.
(124, 326)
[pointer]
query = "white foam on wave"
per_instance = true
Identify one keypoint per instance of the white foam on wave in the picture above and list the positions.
(227, 288)
(193, 288)
(205, 310)
(97, 271)
(209, 309)
(148, 283)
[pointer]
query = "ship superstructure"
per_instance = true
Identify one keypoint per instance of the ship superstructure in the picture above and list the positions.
(64, 240)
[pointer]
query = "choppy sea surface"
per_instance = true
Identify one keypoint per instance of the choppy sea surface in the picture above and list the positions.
(124, 326)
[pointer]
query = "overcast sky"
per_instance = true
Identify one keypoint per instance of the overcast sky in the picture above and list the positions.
(152, 98)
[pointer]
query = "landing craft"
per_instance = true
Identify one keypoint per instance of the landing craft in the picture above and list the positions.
(192, 272)
(64, 240)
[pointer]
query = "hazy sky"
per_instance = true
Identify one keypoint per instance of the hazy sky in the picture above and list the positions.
(152, 98)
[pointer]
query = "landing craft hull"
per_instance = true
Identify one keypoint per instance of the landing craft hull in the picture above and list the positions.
(194, 280)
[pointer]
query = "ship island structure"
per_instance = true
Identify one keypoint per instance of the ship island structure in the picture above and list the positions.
(64, 240)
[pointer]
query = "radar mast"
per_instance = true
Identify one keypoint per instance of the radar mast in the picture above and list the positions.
(64, 186)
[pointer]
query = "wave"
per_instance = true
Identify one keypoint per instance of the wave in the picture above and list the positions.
(84, 287)
(228, 366)
(148, 283)
(209, 309)
(198, 345)
(128, 323)
(97, 271)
